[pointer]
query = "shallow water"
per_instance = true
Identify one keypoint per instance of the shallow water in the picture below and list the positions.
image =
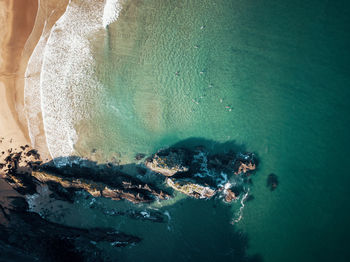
(272, 76)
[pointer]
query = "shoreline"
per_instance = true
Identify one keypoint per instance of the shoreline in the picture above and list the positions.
(18, 18)
(25, 21)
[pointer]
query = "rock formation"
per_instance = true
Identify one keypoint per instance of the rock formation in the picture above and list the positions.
(169, 162)
(191, 189)
(25, 172)
(229, 195)
(196, 173)
(199, 174)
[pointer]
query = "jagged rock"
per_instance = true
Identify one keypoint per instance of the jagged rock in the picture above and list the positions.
(244, 168)
(244, 163)
(24, 175)
(33, 153)
(200, 174)
(133, 192)
(194, 173)
(229, 195)
(169, 162)
(191, 189)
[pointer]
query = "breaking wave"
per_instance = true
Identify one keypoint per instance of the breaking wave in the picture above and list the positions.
(111, 12)
(61, 79)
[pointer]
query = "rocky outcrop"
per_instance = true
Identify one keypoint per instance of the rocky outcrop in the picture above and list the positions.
(229, 195)
(131, 191)
(169, 162)
(24, 172)
(191, 189)
(199, 174)
(196, 173)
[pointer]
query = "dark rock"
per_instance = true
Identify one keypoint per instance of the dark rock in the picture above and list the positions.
(140, 156)
(33, 153)
(27, 233)
(61, 193)
(23, 183)
(272, 181)
(64, 181)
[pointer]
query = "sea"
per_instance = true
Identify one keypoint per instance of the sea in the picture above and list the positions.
(118, 78)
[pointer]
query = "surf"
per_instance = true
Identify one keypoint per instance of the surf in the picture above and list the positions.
(61, 83)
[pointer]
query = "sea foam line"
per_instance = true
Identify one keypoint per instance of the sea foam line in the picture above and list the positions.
(32, 99)
(240, 212)
(111, 12)
(68, 82)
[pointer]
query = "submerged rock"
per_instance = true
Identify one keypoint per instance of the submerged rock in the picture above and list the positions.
(144, 215)
(272, 181)
(140, 156)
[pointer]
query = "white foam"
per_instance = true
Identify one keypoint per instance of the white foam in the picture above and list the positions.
(67, 75)
(67, 82)
(240, 212)
(61, 81)
(111, 12)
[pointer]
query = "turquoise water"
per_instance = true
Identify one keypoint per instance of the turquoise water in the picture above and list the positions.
(271, 76)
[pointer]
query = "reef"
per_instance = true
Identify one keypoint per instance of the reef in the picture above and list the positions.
(199, 174)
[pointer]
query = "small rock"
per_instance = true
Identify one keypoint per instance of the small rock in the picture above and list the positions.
(140, 156)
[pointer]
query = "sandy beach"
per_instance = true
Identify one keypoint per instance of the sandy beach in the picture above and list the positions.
(23, 23)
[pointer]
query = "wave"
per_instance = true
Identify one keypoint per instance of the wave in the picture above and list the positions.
(111, 12)
(65, 74)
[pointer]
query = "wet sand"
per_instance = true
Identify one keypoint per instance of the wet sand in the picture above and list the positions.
(23, 22)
